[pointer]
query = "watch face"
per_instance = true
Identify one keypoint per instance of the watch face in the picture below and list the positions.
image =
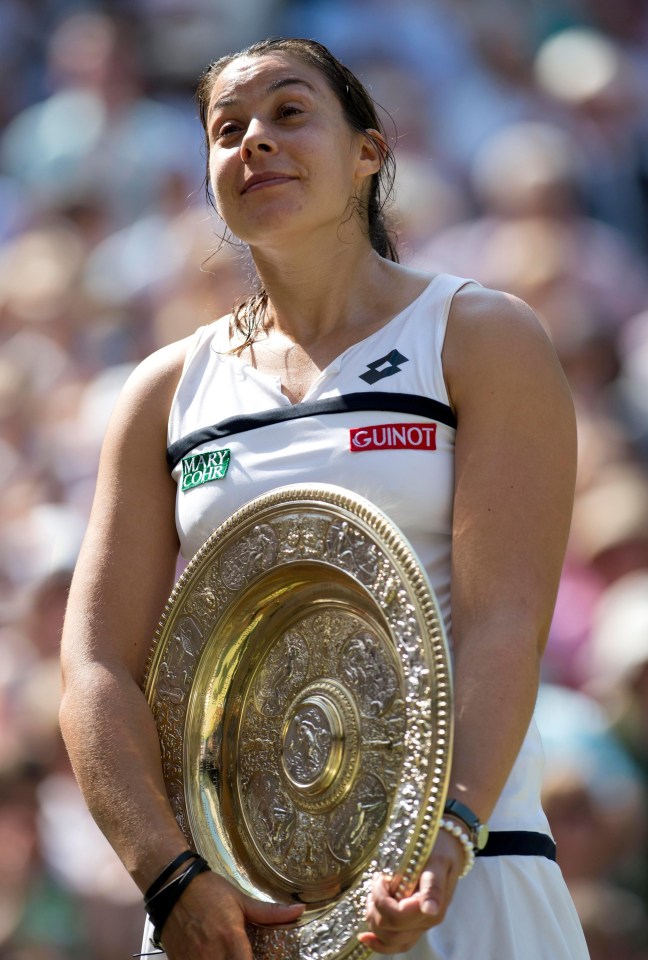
(481, 836)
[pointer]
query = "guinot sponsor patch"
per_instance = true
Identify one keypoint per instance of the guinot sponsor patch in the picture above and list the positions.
(393, 436)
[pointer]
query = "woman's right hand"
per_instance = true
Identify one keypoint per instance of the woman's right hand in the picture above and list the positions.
(208, 921)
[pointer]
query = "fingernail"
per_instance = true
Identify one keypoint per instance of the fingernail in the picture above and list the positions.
(430, 907)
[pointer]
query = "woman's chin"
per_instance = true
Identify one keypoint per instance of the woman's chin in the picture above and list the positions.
(272, 226)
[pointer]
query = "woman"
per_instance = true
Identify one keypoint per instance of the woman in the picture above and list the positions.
(296, 158)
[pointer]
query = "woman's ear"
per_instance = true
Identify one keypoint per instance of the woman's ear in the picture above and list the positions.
(373, 151)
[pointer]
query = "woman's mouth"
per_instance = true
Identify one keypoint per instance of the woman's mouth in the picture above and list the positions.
(261, 180)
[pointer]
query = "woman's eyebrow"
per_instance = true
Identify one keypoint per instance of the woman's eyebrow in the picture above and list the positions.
(289, 81)
(275, 85)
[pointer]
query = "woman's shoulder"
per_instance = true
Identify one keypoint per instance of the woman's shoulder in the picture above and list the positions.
(493, 313)
(495, 338)
(160, 371)
(149, 390)
(493, 323)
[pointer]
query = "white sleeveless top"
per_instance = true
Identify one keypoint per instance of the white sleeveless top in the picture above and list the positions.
(376, 420)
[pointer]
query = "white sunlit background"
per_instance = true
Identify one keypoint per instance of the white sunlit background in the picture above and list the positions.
(521, 138)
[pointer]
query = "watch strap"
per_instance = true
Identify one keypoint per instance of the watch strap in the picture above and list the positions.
(461, 811)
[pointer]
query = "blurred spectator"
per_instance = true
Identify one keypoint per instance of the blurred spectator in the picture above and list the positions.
(609, 542)
(617, 660)
(532, 239)
(627, 20)
(628, 396)
(97, 134)
(37, 913)
(610, 524)
(614, 921)
(593, 793)
(606, 97)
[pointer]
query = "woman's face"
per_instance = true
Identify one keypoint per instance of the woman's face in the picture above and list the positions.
(283, 160)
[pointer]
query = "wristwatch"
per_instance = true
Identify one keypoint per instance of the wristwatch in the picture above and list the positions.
(477, 830)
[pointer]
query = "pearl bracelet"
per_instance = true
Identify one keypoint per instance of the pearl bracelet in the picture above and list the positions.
(469, 851)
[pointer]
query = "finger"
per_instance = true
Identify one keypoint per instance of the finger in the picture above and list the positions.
(381, 903)
(383, 899)
(432, 892)
(388, 945)
(381, 886)
(406, 918)
(371, 941)
(379, 891)
(259, 911)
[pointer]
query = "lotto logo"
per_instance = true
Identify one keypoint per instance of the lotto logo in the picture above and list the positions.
(393, 436)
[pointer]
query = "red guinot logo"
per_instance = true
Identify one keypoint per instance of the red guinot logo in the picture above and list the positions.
(393, 436)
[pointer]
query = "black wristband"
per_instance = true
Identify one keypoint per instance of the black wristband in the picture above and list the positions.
(160, 905)
(167, 873)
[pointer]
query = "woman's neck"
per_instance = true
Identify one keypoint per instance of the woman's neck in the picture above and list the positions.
(314, 293)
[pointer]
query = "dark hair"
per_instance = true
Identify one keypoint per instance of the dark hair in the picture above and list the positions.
(360, 113)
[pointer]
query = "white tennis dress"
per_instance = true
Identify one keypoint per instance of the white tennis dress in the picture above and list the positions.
(377, 421)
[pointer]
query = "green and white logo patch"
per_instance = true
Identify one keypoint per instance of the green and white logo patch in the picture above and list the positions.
(204, 467)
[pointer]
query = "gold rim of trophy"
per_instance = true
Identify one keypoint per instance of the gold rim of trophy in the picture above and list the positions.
(300, 683)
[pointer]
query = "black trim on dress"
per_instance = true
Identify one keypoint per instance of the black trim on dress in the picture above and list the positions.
(525, 843)
(347, 403)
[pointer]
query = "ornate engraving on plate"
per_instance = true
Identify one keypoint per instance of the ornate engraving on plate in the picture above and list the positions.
(326, 937)
(319, 736)
(315, 744)
(369, 672)
(353, 551)
(251, 555)
(301, 537)
(309, 741)
(272, 814)
(284, 671)
(353, 825)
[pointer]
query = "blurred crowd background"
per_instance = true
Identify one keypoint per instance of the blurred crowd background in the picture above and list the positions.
(521, 138)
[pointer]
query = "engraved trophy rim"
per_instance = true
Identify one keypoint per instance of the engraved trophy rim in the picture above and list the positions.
(229, 655)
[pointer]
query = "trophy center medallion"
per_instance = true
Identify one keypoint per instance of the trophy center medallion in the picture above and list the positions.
(313, 744)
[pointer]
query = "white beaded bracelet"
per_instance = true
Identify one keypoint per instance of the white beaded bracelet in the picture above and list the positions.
(469, 851)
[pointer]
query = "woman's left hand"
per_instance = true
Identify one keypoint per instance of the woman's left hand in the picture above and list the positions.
(396, 925)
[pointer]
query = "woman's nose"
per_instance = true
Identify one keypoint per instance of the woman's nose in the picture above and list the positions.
(256, 140)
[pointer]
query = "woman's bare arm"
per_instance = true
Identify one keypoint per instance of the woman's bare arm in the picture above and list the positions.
(514, 486)
(123, 578)
(515, 463)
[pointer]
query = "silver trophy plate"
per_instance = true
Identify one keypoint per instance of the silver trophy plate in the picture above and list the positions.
(300, 683)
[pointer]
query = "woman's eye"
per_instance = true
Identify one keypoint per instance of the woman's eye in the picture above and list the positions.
(231, 128)
(228, 129)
